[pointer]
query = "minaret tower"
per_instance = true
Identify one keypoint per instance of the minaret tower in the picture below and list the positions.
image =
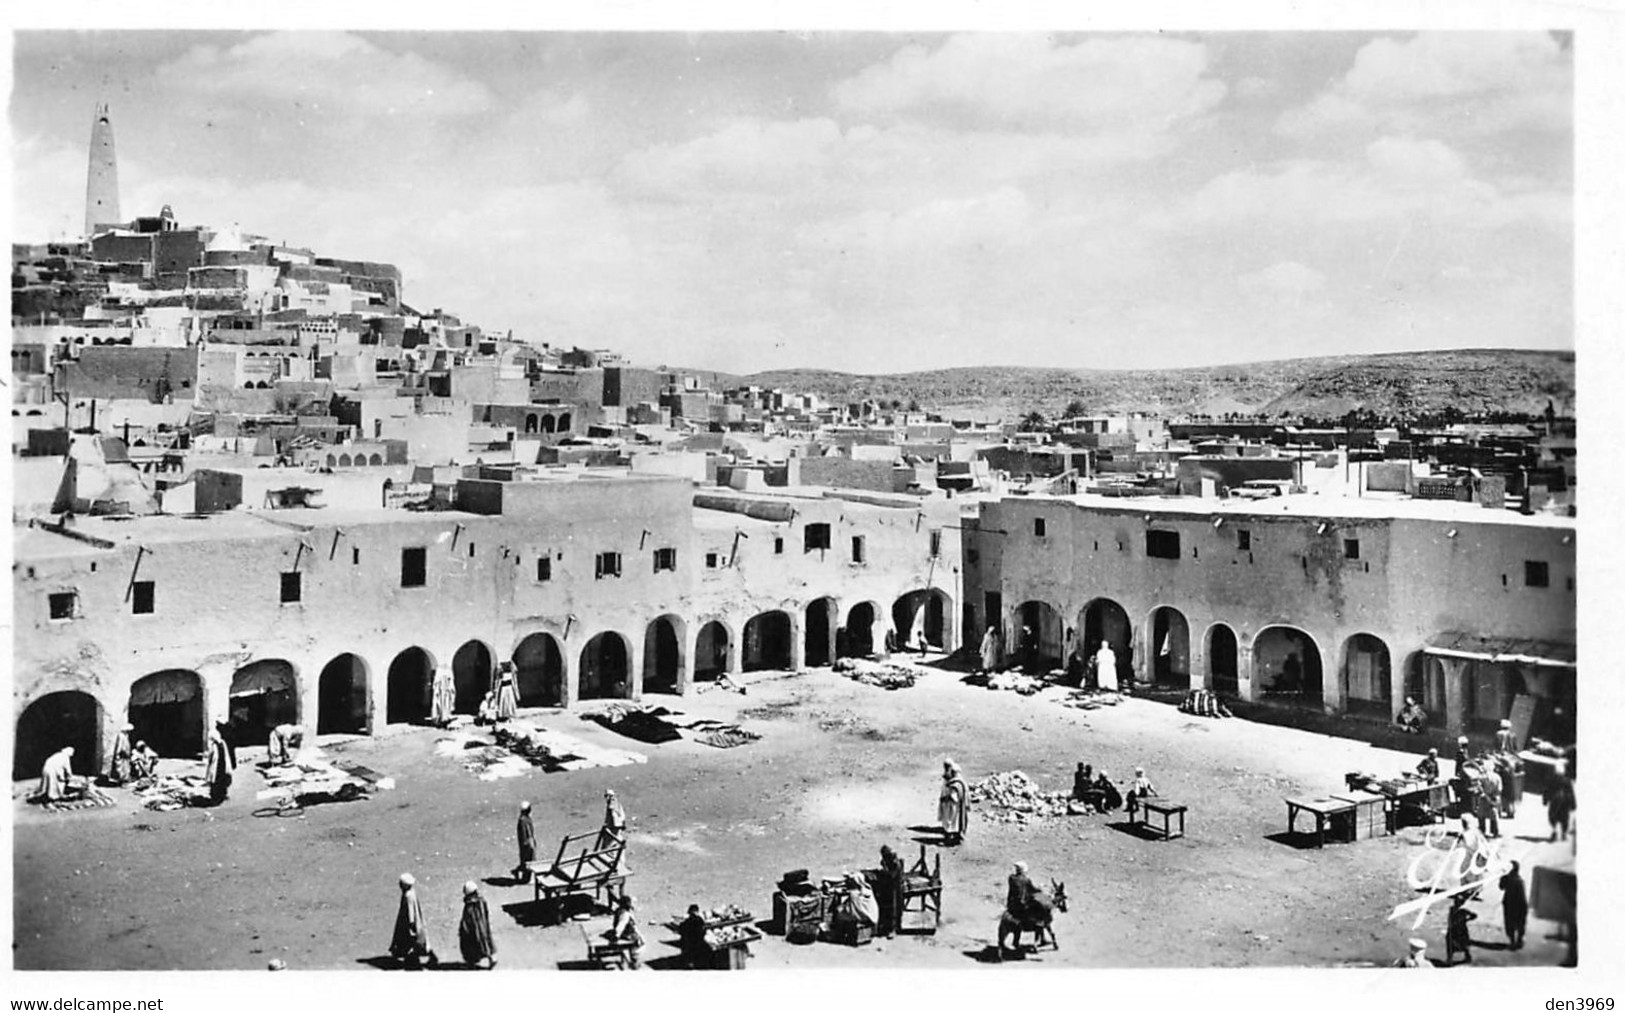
(101, 189)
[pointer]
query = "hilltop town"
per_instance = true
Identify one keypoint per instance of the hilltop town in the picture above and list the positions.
(256, 488)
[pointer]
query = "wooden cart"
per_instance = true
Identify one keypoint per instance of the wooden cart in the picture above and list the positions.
(586, 864)
(921, 897)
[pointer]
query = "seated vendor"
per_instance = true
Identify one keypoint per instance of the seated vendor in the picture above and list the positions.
(1083, 782)
(1110, 798)
(143, 762)
(1412, 718)
(1429, 767)
(855, 908)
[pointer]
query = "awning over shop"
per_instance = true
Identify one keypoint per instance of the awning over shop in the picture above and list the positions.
(1502, 650)
(176, 686)
(262, 677)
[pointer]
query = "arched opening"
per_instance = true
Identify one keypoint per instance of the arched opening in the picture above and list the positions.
(860, 630)
(65, 718)
(411, 687)
(342, 703)
(1040, 639)
(1366, 686)
(167, 711)
(927, 609)
(605, 668)
(375, 459)
(332, 462)
(1222, 652)
(768, 639)
(1170, 648)
(264, 694)
(471, 674)
(711, 652)
(818, 638)
(547, 423)
(1286, 666)
(344, 460)
(530, 422)
(662, 655)
(539, 666)
(564, 422)
(1105, 621)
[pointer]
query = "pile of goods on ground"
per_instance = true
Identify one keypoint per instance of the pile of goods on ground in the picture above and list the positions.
(1013, 797)
(88, 797)
(521, 747)
(720, 735)
(885, 674)
(1091, 699)
(729, 934)
(1022, 683)
(644, 723)
(728, 914)
(1205, 704)
(311, 780)
(171, 791)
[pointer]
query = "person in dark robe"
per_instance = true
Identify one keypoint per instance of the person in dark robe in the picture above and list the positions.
(1507, 769)
(1487, 803)
(410, 944)
(218, 768)
(1428, 769)
(1560, 803)
(1110, 798)
(1569, 755)
(691, 938)
(1083, 781)
(526, 832)
(1462, 759)
(1457, 938)
(118, 764)
(1412, 718)
(1514, 906)
(888, 883)
(474, 931)
(1292, 675)
(1018, 896)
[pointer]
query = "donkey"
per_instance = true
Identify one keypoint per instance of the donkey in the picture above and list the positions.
(1038, 919)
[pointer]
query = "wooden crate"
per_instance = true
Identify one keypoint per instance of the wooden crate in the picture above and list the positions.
(1369, 818)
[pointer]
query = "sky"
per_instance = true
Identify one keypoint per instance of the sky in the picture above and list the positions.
(863, 201)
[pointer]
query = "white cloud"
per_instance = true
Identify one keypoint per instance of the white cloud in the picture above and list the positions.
(1139, 83)
(1287, 278)
(746, 154)
(332, 73)
(995, 219)
(1469, 83)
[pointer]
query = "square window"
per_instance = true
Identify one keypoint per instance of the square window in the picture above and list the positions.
(1162, 544)
(64, 604)
(859, 549)
(608, 564)
(1038, 527)
(816, 536)
(544, 568)
(1536, 573)
(1351, 548)
(414, 567)
(712, 560)
(1244, 540)
(141, 598)
(290, 588)
(665, 559)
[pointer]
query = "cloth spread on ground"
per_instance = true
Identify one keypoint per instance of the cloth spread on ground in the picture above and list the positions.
(521, 747)
(88, 797)
(1205, 704)
(644, 724)
(312, 779)
(171, 791)
(888, 675)
(1090, 699)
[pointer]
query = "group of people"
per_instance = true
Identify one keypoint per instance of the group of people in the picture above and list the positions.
(410, 943)
(130, 762)
(1100, 793)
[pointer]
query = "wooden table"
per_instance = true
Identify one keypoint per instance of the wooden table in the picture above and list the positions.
(603, 952)
(1420, 797)
(1164, 808)
(731, 955)
(1373, 812)
(1322, 808)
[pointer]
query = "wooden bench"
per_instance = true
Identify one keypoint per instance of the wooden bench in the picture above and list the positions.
(1322, 809)
(586, 864)
(1164, 808)
(920, 895)
(604, 953)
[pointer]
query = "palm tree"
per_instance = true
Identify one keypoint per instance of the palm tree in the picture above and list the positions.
(1033, 421)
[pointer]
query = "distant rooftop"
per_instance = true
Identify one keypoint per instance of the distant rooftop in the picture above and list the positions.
(1374, 506)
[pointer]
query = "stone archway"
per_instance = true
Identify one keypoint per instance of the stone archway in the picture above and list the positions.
(344, 697)
(606, 668)
(927, 607)
(264, 694)
(1105, 621)
(769, 638)
(1287, 667)
(1223, 660)
(167, 711)
(663, 655)
(1170, 647)
(818, 637)
(860, 629)
(471, 674)
(411, 687)
(711, 651)
(539, 671)
(67, 717)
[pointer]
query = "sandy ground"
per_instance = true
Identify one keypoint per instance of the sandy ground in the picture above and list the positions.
(842, 769)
